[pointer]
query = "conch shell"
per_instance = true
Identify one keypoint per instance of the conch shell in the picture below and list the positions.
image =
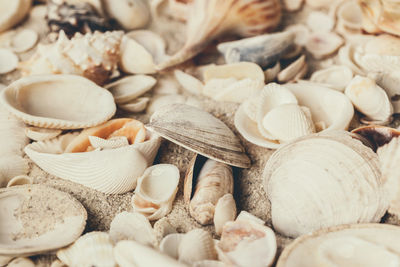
(209, 19)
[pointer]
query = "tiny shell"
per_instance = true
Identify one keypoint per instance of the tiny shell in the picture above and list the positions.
(11, 13)
(170, 244)
(196, 245)
(322, 44)
(40, 134)
(19, 180)
(8, 61)
(225, 211)
(130, 14)
(137, 105)
(337, 77)
(24, 40)
(188, 82)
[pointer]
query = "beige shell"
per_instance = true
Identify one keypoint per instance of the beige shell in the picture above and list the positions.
(19, 180)
(93, 56)
(196, 245)
(24, 40)
(222, 145)
(225, 211)
(8, 61)
(370, 99)
(389, 82)
(336, 77)
(188, 82)
(349, 15)
(325, 161)
(91, 249)
(41, 134)
(346, 245)
(169, 245)
(239, 71)
(271, 73)
(206, 181)
(11, 13)
(137, 105)
(132, 226)
(21, 262)
(39, 219)
(346, 57)
(291, 72)
(130, 14)
(293, 5)
(36, 101)
(243, 17)
(323, 44)
(247, 243)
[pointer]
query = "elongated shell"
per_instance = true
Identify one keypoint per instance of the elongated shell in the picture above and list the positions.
(313, 183)
(225, 211)
(196, 245)
(347, 245)
(55, 101)
(11, 13)
(243, 17)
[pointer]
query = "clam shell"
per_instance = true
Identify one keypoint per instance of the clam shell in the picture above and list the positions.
(188, 126)
(346, 194)
(263, 50)
(8, 61)
(39, 219)
(241, 70)
(137, 105)
(129, 88)
(12, 13)
(91, 249)
(337, 77)
(291, 72)
(346, 57)
(170, 245)
(19, 180)
(196, 245)
(347, 245)
(188, 82)
(24, 40)
(36, 100)
(225, 211)
(40, 134)
(130, 14)
(323, 44)
(319, 21)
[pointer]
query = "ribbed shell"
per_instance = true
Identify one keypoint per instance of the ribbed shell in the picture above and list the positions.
(196, 245)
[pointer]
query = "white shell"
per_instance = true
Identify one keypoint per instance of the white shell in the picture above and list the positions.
(24, 40)
(132, 226)
(225, 211)
(91, 249)
(292, 71)
(131, 87)
(8, 61)
(29, 235)
(55, 101)
(19, 180)
(137, 105)
(322, 44)
(130, 14)
(188, 82)
(11, 13)
(40, 134)
(337, 77)
(319, 21)
(370, 99)
(325, 161)
(11, 166)
(170, 244)
(350, 15)
(196, 245)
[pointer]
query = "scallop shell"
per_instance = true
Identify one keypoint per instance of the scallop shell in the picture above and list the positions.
(130, 14)
(347, 245)
(243, 17)
(263, 50)
(225, 211)
(13, 12)
(93, 56)
(370, 99)
(323, 44)
(40, 134)
(19, 180)
(206, 181)
(36, 100)
(346, 194)
(131, 253)
(222, 145)
(247, 243)
(39, 219)
(131, 87)
(188, 82)
(196, 245)
(91, 249)
(8, 61)
(336, 77)
(137, 105)
(291, 72)
(132, 226)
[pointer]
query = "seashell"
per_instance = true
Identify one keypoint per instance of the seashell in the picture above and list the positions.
(8, 61)
(389, 82)
(19, 180)
(271, 73)
(160, 101)
(346, 57)
(323, 44)
(246, 216)
(247, 243)
(91, 249)
(130, 14)
(12, 135)
(4, 260)
(291, 72)
(132, 226)
(25, 97)
(293, 5)
(93, 56)
(369, 99)
(11, 166)
(225, 211)
(222, 145)
(24, 40)
(146, 47)
(239, 71)
(137, 105)
(301, 32)
(131, 253)
(345, 245)
(57, 263)
(39, 219)
(343, 196)
(14, 12)
(318, 3)
(263, 50)
(188, 82)
(206, 181)
(209, 263)
(196, 245)
(376, 135)
(21, 262)
(156, 190)
(170, 245)
(162, 228)
(41, 134)
(349, 14)
(166, 85)
(319, 21)
(179, 9)
(113, 142)
(336, 77)
(245, 18)
(129, 88)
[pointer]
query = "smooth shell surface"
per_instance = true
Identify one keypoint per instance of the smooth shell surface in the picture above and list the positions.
(13, 12)
(225, 211)
(8, 61)
(58, 101)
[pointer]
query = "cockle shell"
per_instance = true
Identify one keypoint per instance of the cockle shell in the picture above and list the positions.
(247, 243)
(130, 14)
(323, 180)
(243, 17)
(93, 56)
(38, 219)
(263, 50)
(370, 99)
(323, 44)
(206, 181)
(225, 211)
(9, 61)
(336, 77)
(91, 249)
(11, 13)
(196, 245)
(40, 134)
(156, 190)
(222, 145)
(52, 101)
(348, 245)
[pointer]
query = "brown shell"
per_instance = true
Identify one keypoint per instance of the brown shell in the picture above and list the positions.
(377, 135)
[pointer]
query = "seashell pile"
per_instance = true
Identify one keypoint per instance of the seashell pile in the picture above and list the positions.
(199, 133)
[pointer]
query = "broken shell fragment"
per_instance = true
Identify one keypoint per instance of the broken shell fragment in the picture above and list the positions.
(11, 13)
(196, 245)
(40, 134)
(336, 77)
(130, 14)
(225, 211)
(39, 219)
(24, 40)
(8, 61)
(323, 44)
(36, 101)
(222, 145)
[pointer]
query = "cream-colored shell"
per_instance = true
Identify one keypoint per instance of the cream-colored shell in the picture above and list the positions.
(130, 14)
(169, 245)
(188, 82)
(20, 180)
(196, 245)
(8, 61)
(41, 134)
(323, 44)
(225, 211)
(55, 101)
(24, 40)
(21, 262)
(11, 13)
(137, 105)
(292, 71)
(241, 70)
(336, 77)
(347, 57)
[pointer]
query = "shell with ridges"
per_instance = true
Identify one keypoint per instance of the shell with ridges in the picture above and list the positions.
(196, 245)
(225, 211)
(40, 134)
